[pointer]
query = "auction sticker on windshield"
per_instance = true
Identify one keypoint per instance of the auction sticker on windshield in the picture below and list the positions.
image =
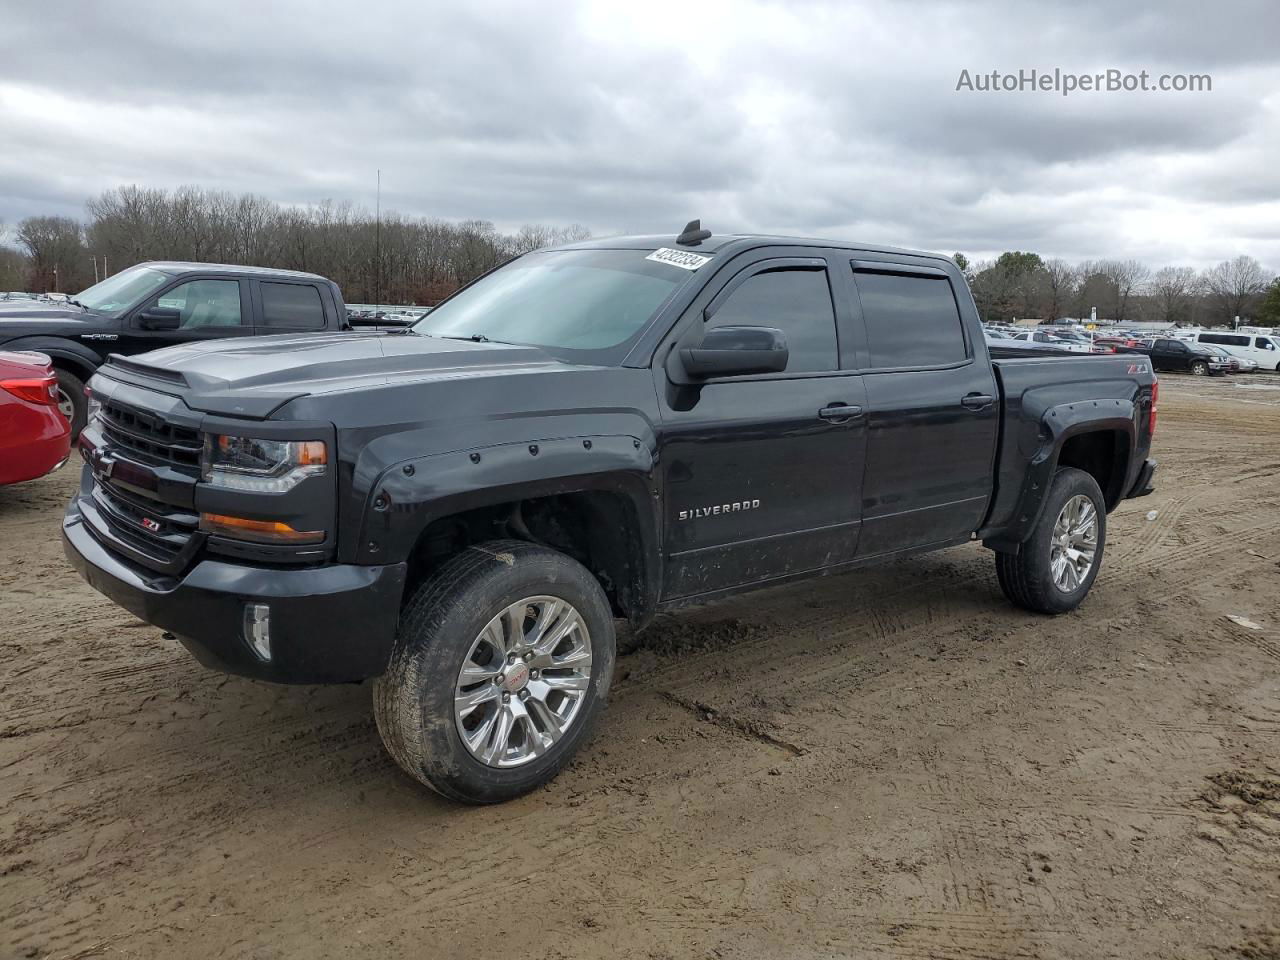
(678, 258)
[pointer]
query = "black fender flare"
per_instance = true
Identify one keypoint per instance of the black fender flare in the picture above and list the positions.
(81, 360)
(1058, 424)
(410, 495)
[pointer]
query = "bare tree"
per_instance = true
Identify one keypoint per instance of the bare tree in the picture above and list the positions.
(1127, 277)
(1058, 279)
(13, 264)
(58, 260)
(1171, 291)
(1235, 285)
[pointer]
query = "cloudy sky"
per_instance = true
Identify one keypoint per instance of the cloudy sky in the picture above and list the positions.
(832, 119)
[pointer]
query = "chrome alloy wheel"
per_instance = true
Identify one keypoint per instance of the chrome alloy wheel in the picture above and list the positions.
(65, 406)
(1074, 544)
(524, 682)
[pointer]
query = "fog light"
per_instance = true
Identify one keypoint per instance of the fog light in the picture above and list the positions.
(257, 628)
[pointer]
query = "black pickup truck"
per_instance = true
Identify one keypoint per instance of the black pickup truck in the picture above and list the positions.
(596, 431)
(156, 305)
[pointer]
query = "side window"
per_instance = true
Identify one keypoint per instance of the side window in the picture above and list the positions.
(1212, 338)
(797, 302)
(1263, 343)
(204, 303)
(1236, 341)
(912, 321)
(295, 305)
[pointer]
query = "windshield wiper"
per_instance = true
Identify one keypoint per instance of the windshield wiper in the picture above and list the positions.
(77, 303)
(473, 337)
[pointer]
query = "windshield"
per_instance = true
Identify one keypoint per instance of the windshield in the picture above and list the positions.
(122, 290)
(571, 299)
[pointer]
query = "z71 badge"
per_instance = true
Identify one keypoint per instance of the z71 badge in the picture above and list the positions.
(720, 508)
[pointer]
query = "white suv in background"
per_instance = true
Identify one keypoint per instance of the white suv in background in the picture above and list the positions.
(1263, 349)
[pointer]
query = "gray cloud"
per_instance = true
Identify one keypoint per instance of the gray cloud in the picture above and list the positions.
(817, 118)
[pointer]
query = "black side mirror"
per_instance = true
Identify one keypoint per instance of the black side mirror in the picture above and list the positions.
(160, 318)
(730, 351)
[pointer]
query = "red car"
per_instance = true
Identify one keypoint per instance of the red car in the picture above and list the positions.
(35, 438)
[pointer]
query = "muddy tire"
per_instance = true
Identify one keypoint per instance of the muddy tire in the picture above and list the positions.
(1053, 570)
(491, 638)
(1199, 369)
(71, 401)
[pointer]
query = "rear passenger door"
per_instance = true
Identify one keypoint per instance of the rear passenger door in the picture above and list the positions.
(287, 306)
(932, 403)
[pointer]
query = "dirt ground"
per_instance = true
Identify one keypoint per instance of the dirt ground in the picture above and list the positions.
(891, 763)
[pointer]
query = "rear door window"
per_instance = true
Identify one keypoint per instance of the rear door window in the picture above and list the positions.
(295, 306)
(912, 320)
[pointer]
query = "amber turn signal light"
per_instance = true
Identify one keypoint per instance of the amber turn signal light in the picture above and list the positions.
(256, 531)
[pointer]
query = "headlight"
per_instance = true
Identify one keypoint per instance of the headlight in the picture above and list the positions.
(262, 466)
(93, 406)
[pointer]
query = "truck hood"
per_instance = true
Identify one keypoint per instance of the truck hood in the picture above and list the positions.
(44, 316)
(255, 376)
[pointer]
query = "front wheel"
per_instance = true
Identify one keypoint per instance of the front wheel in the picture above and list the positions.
(1053, 570)
(71, 401)
(1199, 369)
(502, 663)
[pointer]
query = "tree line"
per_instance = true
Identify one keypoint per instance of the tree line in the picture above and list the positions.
(396, 259)
(387, 259)
(1020, 286)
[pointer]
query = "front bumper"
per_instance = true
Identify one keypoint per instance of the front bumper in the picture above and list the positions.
(330, 624)
(1144, 484)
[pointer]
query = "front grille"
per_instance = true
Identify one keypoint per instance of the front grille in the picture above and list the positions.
(150, 438)
(160, 532)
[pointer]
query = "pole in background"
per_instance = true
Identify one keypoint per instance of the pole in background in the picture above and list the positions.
(95, 269)
(377, 248)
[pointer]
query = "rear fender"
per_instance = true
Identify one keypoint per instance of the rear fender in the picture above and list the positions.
(1058, 424)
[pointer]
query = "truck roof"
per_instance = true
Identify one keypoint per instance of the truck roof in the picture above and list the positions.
(176, 267)
(732, 243)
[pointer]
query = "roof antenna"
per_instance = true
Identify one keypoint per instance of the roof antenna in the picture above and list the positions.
(693, 234)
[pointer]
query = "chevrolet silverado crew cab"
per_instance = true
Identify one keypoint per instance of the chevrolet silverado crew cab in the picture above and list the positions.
(587, 433)
(155, 305)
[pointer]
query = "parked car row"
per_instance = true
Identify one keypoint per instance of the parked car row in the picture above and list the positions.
(364, 314)
(1261, 349)
(1207, 351)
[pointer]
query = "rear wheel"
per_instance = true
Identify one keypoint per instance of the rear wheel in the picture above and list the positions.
(502, 662)
(71, 401)
(1199, 368)
(1053, 570)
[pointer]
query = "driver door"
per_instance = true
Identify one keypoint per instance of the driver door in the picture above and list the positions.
(762, 473)
(208, 308)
